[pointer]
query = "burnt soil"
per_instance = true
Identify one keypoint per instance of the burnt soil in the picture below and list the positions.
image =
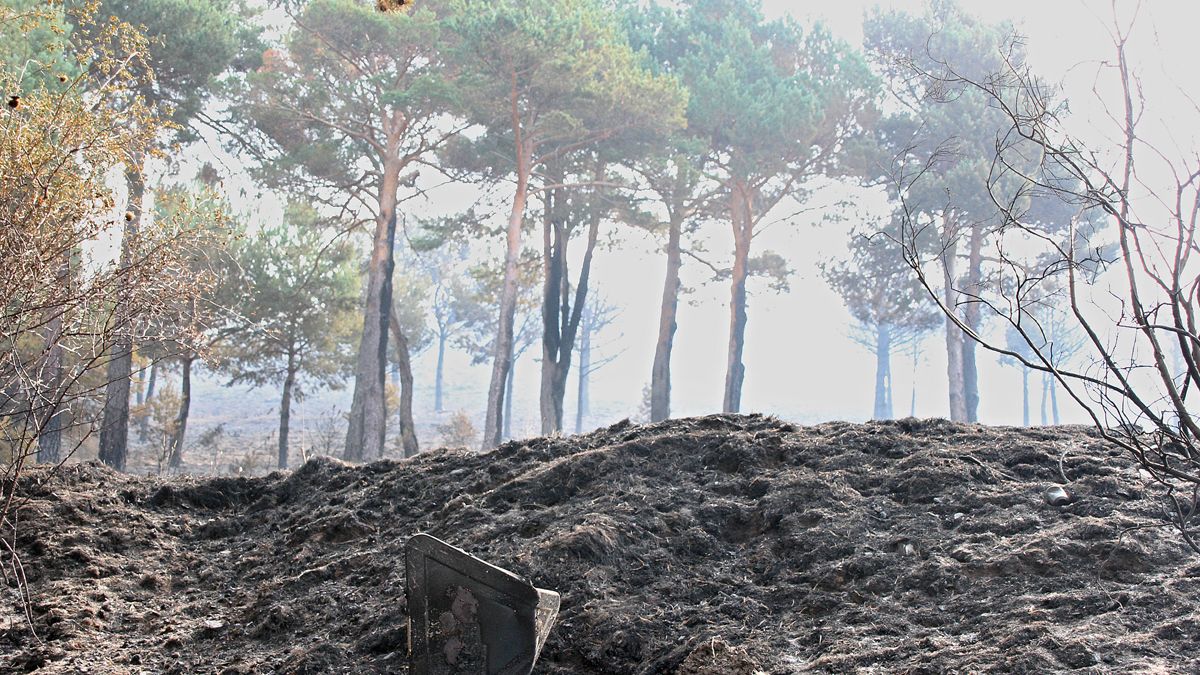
(726, 544)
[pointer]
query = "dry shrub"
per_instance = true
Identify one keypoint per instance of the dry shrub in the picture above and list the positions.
(458, 431)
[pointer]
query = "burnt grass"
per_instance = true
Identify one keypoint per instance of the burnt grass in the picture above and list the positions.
(724, 544)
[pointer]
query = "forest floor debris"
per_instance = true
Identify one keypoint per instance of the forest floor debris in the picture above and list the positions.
(724, 544)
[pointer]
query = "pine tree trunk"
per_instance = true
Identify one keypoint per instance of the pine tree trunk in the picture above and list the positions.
(144, 420)
(52, 416)
(1024, 396)
(438, 373)
(508, 401)
(408, 428)
(367, 429)
(912, 398)
(972, 318)
(114, 426)
(1054, 400)
(502, 360)
(140, 396)
(1045, 388)
(285, 410)
(562, 315)
(741, 218)
(585, 364)
(954, 336)
(890, 411)
(883, 374)
(181, 419)
(660, 374)
(153, 381)
(555, 300)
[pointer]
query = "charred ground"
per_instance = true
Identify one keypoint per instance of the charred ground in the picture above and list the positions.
(722, 544)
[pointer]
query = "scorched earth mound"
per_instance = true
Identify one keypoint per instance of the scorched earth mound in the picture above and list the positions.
(714, 545)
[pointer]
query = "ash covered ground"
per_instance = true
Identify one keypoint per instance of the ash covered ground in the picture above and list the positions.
(724, 544)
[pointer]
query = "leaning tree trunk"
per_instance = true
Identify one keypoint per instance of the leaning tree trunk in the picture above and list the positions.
(972, 318)
(408, 428)
(502, 359)
(285, 409)
(954, 334)
(883, 373)
(741, 210)
(181, 419)
(114, 425)
(660, 374)
(152, 382)
(367, 429)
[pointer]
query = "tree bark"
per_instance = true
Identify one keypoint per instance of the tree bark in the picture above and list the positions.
(660, 374)
(741, 217)
(1045, 388)
(954, 335)
(144, 420)
(1024, 396)
(408, 428)
(1054, 400)
(181, 419)
(555, 299)
(52, 416)
(585, 364)
(140, 395)
(285, 409)
(438, 373)
(508, 401)
(883, 373)
(114, 426)
(561, 315)
(502, 360)
(153, 381)
(912, 397)
(972, 318)
(366, 433)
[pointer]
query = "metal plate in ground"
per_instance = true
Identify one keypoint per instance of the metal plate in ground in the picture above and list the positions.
(470, 617)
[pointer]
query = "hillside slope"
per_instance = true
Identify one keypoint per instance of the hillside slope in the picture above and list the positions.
(725, 544)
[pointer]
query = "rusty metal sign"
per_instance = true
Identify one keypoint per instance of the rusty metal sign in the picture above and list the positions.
(469, 617)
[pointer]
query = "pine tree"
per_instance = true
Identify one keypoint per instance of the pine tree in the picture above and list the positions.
(383, 104)
(889, 304)
(775, 105)
(189, 44)
(550, 78)
(297, 293)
